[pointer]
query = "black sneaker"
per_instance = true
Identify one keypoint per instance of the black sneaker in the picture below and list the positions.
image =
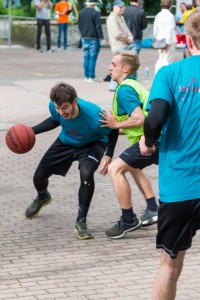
(107, 78)
(36, 205)
(120, 228)
(82, 230)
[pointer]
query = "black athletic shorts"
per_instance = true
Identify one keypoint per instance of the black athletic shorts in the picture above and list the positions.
(133, 157)
(177, 224)
(59, 157)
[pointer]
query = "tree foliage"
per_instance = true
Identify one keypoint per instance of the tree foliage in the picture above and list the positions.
(27, 8)
(151, 6)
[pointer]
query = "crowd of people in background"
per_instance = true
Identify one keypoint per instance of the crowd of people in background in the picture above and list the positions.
(125, 25)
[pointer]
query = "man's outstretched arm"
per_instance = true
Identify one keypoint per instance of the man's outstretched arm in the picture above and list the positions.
(45, 125)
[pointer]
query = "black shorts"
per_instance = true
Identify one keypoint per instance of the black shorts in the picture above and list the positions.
(177, 224)
(59, 157)
(133, 157)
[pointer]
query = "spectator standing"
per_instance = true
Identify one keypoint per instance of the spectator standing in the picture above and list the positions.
(136, 21)
(175, 111)
(62, 9)
(164, 28)
(43, 15)
(89, 23)
(120, 37)
(178, 17)
(189, 9)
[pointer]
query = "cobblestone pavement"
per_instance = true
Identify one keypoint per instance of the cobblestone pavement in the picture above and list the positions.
(42, 258)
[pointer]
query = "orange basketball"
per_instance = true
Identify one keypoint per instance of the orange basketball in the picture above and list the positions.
(20, 138)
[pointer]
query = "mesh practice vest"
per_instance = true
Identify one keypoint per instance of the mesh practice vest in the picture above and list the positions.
(133, 134)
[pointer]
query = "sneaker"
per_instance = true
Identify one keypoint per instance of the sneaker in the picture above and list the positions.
(35, 207)
(120, 228)
(93, 80)
(40, 50)
(107, 78)
(149, 217)
(50, 51)
(86, 79)
(82, 230)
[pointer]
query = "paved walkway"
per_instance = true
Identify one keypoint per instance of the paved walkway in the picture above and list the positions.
(42, 258)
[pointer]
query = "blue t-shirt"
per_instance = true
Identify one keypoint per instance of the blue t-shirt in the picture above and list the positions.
(83, 129)
(127, 99)
(179, 154)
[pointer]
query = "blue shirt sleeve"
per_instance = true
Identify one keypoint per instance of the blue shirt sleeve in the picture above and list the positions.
(128, 100)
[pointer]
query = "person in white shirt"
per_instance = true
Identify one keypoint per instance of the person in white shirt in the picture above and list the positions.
(164, 28)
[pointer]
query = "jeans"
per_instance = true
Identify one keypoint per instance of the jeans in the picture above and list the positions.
(91, 50)
(46, 24)
(62, 28)
(136, 46)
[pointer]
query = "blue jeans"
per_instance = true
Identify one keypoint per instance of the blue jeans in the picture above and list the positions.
(91, 50)
(62, 28)
(136, 46)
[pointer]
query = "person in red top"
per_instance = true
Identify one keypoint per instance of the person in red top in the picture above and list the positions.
(62, 9)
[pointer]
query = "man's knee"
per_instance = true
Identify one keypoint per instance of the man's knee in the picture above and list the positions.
(87, 170)
(116, 168)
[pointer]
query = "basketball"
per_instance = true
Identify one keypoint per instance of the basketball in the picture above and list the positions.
(20, 138)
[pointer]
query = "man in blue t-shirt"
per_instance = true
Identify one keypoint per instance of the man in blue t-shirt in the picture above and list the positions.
(81, 139)
(175, 110)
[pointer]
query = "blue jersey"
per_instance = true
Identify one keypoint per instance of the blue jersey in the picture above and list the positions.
(83, 129)
(128, 99)
(179, 153)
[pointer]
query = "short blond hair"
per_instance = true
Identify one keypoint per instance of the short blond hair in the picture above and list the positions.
(130, 58)
(192, 27)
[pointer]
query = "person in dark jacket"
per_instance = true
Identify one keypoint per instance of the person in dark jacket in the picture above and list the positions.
(136, 21)
(89, 23)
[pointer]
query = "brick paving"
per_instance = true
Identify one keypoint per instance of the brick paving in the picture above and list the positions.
(42, 258)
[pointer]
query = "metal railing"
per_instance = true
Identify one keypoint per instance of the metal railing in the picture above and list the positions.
(6, 21)
(3, 26)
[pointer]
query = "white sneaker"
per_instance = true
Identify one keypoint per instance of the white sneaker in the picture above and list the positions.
(86, 80)
(91, 80)
(94, 80)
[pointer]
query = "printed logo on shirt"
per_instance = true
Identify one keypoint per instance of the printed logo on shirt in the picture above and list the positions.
(184, 90)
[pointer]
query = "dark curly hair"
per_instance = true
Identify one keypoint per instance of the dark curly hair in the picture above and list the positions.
(63, 92)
